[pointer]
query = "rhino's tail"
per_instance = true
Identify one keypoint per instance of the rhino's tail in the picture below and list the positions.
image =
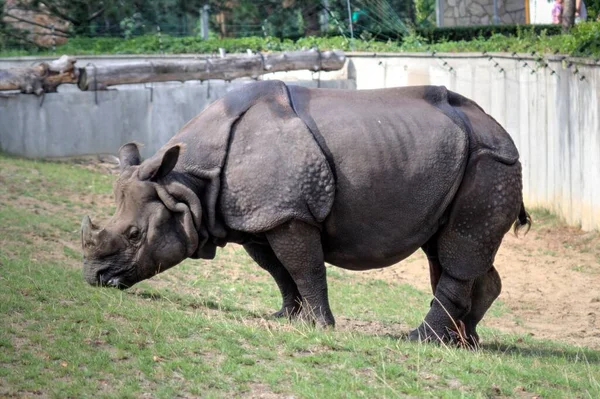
(524, 219)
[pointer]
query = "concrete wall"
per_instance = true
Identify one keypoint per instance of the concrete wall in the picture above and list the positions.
(553, 117)
(73, 123)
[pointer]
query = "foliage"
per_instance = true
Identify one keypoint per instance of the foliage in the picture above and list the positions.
(425, 13)
(383, 20)
(586, 39)
(199, 329)
(466, 33)
(583, 40)
(593, 9)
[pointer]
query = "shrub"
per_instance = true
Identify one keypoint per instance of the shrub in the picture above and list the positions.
(467, 33)
(583, 40)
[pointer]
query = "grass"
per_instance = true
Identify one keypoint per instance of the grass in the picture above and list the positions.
(200, 329)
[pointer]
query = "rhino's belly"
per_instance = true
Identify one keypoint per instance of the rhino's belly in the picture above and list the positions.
(361, 233)
(392, 190)
(398, 162)
(384, 210)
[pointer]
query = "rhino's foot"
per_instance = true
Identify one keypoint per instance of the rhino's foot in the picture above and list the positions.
(454, 335)
(305, 315)
(472, 337)
(426, 334)
(297, 314)
(288, 312)
(317, 318)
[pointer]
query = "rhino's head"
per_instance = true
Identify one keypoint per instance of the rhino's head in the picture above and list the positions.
(152, 229)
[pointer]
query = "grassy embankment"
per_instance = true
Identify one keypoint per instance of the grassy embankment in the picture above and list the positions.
(200, 328)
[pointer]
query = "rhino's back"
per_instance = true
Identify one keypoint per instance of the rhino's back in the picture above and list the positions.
(398, 158)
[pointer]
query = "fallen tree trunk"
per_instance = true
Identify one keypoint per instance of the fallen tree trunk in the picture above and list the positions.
(229, 67)
(42, 78)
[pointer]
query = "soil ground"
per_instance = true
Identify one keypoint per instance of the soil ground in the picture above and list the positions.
(550, 278)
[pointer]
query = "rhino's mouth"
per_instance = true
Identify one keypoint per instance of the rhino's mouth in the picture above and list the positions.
(116, 277)
(115, 281)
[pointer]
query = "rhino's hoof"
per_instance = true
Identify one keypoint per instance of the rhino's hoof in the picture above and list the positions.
(427, 334)
(417, 335)
(472, 340)
(287, 312)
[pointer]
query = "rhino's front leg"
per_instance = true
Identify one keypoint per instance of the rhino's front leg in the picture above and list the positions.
(298, 246)
(265, 257)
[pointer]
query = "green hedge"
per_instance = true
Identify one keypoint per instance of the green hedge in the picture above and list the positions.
(457, 33)
(467, 33)
(583, 40)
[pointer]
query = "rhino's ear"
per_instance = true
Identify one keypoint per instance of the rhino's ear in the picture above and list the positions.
(160, 165)
(129, 155)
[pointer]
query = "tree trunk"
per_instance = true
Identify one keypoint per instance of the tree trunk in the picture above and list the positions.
(45, 77)
(227, 68)
(42, 78)
(568, 15)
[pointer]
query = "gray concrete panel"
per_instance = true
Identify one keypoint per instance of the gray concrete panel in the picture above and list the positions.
(553, 118)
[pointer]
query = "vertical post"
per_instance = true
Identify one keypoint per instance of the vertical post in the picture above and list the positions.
(495, 18)
(350, 20)
(439, 14)
(325, 16)
(204, 22)
(53, 39)
(159, 38)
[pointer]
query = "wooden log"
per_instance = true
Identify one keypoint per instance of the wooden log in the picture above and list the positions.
(41, 78)
(229, 67)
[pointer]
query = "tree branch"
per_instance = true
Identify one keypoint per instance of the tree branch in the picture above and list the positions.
(58, 13)
(24, 39)
(65, 33)
(96, 14)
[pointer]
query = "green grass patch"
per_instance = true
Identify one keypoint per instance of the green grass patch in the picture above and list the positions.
(200, 329)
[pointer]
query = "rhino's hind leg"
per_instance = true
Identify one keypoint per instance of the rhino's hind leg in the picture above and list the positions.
(452, 302)
(298, 247)
(484, 208)
(485, 291)
(265, 257)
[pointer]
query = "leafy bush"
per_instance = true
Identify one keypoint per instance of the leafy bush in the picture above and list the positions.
(586, 39)
(466, 33)
(583, 40)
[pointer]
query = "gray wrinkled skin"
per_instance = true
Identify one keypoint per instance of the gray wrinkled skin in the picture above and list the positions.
(299, 177)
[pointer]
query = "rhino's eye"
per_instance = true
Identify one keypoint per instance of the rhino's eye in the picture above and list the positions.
(134, 233)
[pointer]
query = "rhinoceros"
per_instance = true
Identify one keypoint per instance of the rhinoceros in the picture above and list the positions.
(300, 177)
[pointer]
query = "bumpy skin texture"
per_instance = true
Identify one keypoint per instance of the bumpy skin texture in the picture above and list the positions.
(302, 176)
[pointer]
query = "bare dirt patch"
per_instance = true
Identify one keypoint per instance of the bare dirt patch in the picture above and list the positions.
(550, 283)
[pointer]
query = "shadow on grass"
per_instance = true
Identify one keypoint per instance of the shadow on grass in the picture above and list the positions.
(154, 296)
(202, 304)
(543, 351)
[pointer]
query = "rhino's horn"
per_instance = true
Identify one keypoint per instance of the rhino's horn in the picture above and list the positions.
(89, 233)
